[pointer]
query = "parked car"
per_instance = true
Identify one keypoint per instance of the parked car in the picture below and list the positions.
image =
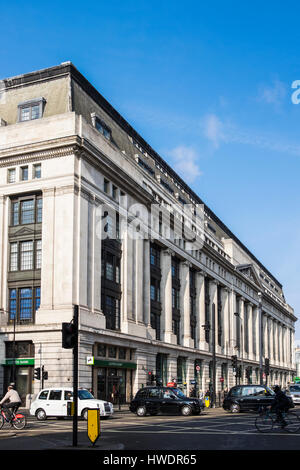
(53, 402)
(294, 392)
(169, 400)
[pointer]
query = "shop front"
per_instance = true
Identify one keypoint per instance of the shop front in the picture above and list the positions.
(112, 380)
(20, 372)
(18, 367)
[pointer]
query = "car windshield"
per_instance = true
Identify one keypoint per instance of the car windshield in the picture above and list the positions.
(85, 395)
(295, 388)
(178, 393)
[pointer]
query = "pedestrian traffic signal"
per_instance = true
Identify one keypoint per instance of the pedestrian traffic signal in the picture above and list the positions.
(37, 373)
(69, 335)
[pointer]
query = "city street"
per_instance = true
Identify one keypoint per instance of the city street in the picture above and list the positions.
(214, 429)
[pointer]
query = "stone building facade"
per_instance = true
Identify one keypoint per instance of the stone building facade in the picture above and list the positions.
(152, 299)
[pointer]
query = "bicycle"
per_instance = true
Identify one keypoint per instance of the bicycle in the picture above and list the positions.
(267, 419)
(18, 420)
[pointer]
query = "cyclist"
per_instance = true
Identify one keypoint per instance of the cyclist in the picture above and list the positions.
(280, 405)
(14, 401)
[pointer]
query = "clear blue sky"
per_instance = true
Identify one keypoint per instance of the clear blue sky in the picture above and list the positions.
(207, 84)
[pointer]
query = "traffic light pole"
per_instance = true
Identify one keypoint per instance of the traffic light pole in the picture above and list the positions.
(75, 379)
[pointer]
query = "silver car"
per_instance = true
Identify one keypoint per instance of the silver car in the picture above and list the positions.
(294, 392)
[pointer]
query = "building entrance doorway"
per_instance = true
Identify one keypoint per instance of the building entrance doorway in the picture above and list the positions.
(111, 385)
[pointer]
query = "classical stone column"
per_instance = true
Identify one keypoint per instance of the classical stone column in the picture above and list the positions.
(284, 344)
(255, 344)
(271, 340)
(265, 337)
(4, 223)
(139, 280)
(242, 328)
(96, 248)
(226, 321)
(250, 330)
(166, 296)
(185, 303)
(200, 308)
(213, 300)
(146, 283)
(279, 344)
(47, 281)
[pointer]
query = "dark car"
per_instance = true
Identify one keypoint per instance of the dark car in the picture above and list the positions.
(248, 397)
(169, 400)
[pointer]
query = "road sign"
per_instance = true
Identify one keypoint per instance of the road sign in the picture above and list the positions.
(221, 379)
(93, 425)
(197, 368)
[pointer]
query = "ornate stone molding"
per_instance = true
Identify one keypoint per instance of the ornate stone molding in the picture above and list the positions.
(32, 156)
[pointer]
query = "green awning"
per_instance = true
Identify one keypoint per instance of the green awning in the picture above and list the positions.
(19, 362)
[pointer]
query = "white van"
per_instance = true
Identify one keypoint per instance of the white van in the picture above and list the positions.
(53, 402)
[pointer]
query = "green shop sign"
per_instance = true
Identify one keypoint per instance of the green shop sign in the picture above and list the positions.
(92, 361)
(19, 362)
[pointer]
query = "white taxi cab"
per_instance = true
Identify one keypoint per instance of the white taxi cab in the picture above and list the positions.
(54, 402)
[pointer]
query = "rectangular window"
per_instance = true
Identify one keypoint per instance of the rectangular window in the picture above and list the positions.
(15, 213)
(112, 313)
(30, 110)
(39, 210)
(14, 257)
(38, 254)
(25, 114)
(37, 298)
(25, 304)
(27, 211)
(24, 173)
(12, 303)
(102, 128)
(101, 350)
(26, 255)
(37, 171)
(106, 186)
(154, 256)
(109, 267)
(112, 352)
(114, 192)
(122, 353)
(11, 175)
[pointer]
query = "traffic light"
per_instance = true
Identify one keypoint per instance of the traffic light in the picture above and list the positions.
(37, 373)
(69, 335)
(234, 362)
(248, 370)
(267, 366)
(44, 374)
